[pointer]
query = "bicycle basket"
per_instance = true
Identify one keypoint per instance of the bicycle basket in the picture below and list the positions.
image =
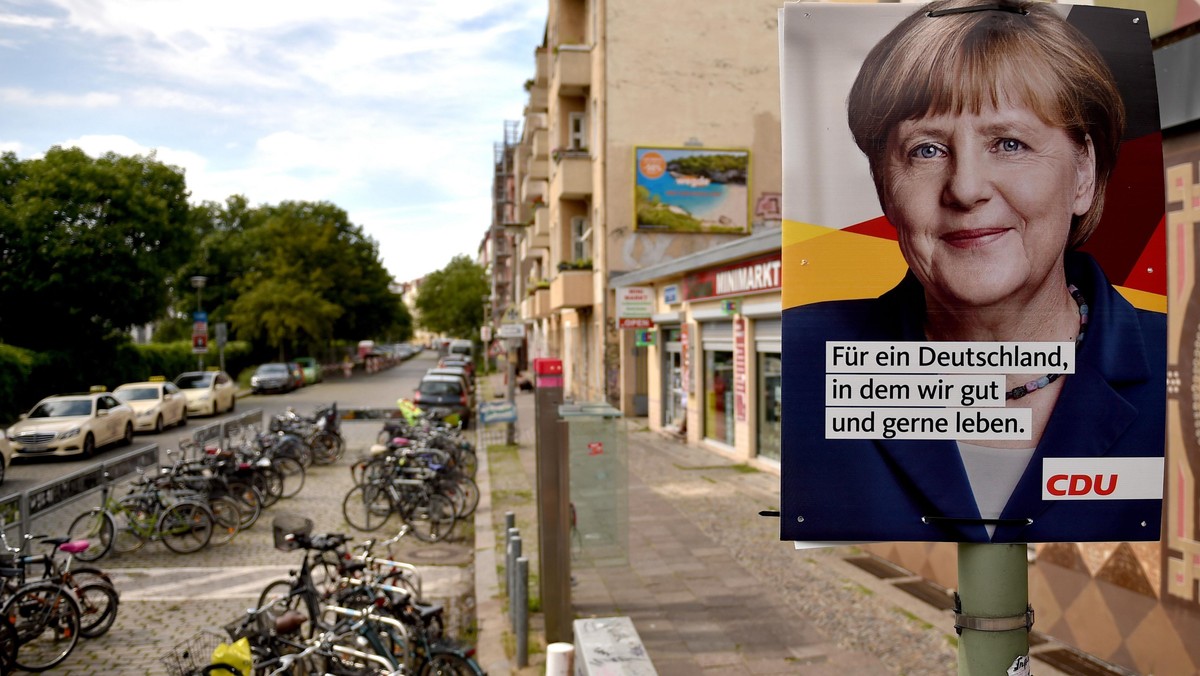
(290, 524)
(191, 655)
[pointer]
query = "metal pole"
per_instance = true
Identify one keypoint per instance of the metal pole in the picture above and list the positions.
(514, 596)
(522, 628)
(510, 432)
(995, 617)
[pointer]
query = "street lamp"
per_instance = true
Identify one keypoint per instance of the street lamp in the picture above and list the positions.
(198, 282)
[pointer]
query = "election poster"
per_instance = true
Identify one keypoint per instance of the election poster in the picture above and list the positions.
(973, 272)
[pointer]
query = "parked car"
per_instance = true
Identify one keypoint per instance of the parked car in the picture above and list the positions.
(312, 369)
(458, 372)
(272, 377)
(71, 424)
(6, 453)
(458, 361)
(208, 392)
(297, 372)
(156, 403)
(441, 396)
(462, 348)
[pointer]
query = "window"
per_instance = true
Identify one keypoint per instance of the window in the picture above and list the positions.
(581, 238)
(577, 131)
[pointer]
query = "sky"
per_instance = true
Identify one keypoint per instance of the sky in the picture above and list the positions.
(388, 109)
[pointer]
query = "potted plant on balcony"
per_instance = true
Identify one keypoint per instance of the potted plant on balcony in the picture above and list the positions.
(558, 153)
(577, 264)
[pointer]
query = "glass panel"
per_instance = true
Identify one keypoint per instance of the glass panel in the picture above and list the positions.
(770, 407)
(718, 396)
(599, 490)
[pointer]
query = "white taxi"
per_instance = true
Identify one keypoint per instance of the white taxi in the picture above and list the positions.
(208, 392)
(156, 403)
(71, 424)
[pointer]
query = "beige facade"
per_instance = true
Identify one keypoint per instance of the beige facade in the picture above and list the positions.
(614, 75)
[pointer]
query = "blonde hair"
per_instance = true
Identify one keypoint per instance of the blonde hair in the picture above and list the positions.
(963, 62)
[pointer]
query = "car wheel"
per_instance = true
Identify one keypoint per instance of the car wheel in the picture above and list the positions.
(89, 445)
(232, 403)
(183, 417)
(128, 438)
(158, 424)
(214, 408)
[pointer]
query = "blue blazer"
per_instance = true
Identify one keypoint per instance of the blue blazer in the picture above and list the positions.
(882, 490)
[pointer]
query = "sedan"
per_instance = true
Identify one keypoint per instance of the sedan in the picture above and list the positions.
(156, 404)
(272, 377)
(442, 396)
(208, 392)
(71, 424)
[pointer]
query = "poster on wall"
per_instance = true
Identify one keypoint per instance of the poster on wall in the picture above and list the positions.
(974, 274)
(692, 190)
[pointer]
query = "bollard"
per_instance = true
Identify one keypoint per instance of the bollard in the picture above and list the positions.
(510, 562)
(510, 522)
(559, 659)
(522, 624)
(513, 601)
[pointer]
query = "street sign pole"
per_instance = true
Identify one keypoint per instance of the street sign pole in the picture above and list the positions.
(992, 613)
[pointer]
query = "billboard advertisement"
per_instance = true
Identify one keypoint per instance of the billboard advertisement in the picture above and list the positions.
(692, 190)
(974, 274)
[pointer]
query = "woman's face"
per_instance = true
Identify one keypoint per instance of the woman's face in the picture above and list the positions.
(983, 202)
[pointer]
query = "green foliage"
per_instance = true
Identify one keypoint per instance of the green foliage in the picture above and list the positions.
(15, 367)
(719, 168)
(652, 213)
(451, 299)
(90, 244)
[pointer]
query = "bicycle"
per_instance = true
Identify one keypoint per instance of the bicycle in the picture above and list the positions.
(148, 512)
(409, 491)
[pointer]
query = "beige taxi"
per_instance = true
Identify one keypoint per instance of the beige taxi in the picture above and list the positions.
(208, 392)
(156, 403)
(71, 424)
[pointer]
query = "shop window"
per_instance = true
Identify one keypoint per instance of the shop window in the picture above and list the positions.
(770, 406)
(718, 396)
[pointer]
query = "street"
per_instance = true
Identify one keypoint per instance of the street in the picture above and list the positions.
(166, 597)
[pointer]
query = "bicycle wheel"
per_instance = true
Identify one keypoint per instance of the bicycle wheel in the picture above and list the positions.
(226, 519)
(249, 502)
(450, 664)
(185, 527)
(367, 507)
(468, 462)
(432, 517)
(8, 646)
(293, 476)
(277, 598)
(46, 617)
(326, 576)
(133, 529)
(97, 527)
(98, 609)
(269, 483)
(464, 492)
(324, 448)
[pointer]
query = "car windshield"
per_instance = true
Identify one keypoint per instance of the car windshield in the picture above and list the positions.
(272, 368)
(195, 381)
(437, 387)
(138, 394)
(62, 408)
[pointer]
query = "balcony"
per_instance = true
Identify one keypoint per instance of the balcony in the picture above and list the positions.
(539, 234)
(539, 98)
(572, 70)
(572, 177)
(541, 144)
(541, 303)
(571, 289)
(527, 308)
(537, 170)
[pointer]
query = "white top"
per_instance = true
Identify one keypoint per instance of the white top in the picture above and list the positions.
(993, 473)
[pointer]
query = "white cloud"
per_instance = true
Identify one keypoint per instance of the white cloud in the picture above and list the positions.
(24, 97)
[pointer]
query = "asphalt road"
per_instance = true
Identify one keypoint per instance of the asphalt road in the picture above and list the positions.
(376, 390)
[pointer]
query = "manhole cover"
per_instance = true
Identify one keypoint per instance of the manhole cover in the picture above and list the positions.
(434, 553)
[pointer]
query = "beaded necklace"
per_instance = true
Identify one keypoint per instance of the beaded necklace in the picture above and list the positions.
(1034, 385)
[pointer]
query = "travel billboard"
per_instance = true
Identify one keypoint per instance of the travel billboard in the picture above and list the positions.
(700, 190)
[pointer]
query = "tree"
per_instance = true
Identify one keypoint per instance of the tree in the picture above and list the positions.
(451, 299)
(88, 246)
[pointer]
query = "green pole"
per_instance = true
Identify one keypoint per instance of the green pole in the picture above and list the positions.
(993, 590)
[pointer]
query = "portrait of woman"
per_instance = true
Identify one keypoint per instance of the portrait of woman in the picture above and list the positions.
(991, 132)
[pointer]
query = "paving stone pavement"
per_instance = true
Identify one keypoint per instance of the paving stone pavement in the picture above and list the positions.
(167, 598)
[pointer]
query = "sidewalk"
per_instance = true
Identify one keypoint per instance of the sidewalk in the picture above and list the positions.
(708, 585)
